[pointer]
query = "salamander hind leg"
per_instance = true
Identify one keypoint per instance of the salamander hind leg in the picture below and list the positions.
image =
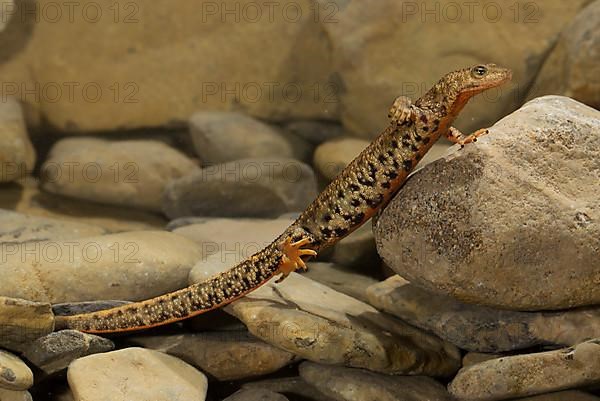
(292, 257)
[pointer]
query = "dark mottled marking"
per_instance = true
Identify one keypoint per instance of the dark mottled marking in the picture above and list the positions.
(423, 118)
(354, 187)
(340, 232)
(425, 129)
(355, 202)
(327, 218)
(426, 140)
(340, 194)
(386, 185)
(407, 164)
(395, 143)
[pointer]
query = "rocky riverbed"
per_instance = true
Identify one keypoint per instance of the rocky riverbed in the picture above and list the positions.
(495, 250)
(479, 281)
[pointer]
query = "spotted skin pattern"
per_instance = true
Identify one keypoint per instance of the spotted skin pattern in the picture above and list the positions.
(364, 187)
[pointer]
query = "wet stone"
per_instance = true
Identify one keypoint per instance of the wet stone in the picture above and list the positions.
(56, 351)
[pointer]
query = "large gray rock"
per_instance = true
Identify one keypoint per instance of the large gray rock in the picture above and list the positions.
(135, 374)
(512, 221)
(480, 328)
(256, 395)
(344, 384)
(259, 187)
(317, 323)
(221, 137)
(17, 228)
(130, 173)
(17, 156)
(22, 322)
(293, 386)
(223, 355)
(573, 67)
(529, 374)
(111, 266)
(54, 352)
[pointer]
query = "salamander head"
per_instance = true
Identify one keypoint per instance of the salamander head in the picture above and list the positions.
(455, 89)
(476, 79)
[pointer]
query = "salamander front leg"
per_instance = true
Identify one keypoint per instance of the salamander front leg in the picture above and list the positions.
(292, 257)
(454, 135)
(402, 110)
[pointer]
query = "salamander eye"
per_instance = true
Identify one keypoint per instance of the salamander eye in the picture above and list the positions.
(479, 71)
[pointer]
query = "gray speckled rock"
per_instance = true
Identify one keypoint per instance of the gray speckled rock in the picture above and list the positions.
(135, 374)
(223, 355)
(256, 395)
(293, 386)
(14, 373)
(573, 67)
(470, 225)
(54, 352)
(529, 374)
(481, 328)
(128, 173)
(10, 395)
(344, 384)
(569, 395)
(21, 322)
(16, 228)
(111, 266)
(259, 187)
(17, 156)
(221, 137)
(315, 132)
(322, 325)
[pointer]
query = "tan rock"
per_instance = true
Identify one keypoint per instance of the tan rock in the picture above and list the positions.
(346, 384)
(111, 266)
(131, 173)
(340, 278)
(126, 83)
(573, 67)
(10, 395)
(135, 374)
(377, 56)
(469, 225)
(332, 157)
(223, 355)
(22, 322)
(19, 228)
(14, 373)
(529, 374)
(304, 317)
(570, 395)
(28, 199)
(17, 156)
